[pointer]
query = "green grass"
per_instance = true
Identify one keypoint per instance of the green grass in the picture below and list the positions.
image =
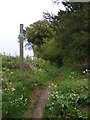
(70, 98)
(15, 95)
(17, 91)
(69, 93)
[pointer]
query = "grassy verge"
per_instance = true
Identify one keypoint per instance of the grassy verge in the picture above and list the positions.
(69, 97)
(16, 91)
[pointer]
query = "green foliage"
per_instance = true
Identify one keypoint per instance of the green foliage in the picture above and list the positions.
(69, 99)
(72, 32)
(64, 37)
(44, 72)
(50, 48)
(15, 95)
(68, 35)
(10, 62)
(17, 92)
(39, 30)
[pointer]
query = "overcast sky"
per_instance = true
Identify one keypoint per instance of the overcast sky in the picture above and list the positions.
(16, 12)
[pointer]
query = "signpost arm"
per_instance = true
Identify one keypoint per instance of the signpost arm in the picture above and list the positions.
(21, 50)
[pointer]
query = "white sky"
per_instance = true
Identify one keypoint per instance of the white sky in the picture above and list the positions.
(16, 12)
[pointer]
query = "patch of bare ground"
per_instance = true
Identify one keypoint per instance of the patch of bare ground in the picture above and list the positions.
(38, 113)
(33, 101)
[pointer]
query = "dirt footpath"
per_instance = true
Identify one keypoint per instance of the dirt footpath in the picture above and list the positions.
(41, 102)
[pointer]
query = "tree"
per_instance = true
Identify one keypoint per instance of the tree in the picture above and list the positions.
(71, 27)
(64, 36)
(37, 31)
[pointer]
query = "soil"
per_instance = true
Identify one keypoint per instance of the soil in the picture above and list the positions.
(33, 101)
(38, 113)
(38, 101)
(36, 107)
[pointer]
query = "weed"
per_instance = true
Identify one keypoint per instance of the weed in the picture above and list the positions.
(69, 98)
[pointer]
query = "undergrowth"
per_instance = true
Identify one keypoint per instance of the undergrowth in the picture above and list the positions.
(69, 91)
(69, 97)
(17, 91)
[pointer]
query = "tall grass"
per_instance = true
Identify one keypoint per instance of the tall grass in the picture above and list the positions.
(17, 91)
(69, 100)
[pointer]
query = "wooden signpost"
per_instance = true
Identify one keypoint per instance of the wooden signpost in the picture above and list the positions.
(21, 50)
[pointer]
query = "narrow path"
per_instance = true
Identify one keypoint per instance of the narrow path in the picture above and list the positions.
(41, 102)
(38, 100)
(33, 101)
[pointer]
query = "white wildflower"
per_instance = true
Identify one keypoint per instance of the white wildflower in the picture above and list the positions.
(62, 105)
(83, 71)
(0, 72)
(7, 70)
(13, 89)
(56, 95)
(21, 98)
(5, 89)
(1, 79)
(72, 73)
(49, 108)
(52, 103)
(55, 86)
(52, 95)
(10, 83)
(0, 90)
(56, 92)
(86, 70)
(11, 72)
(26, 99)
(74, 94)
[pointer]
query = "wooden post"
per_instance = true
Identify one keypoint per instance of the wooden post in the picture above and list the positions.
(21, 50)
(0, 87)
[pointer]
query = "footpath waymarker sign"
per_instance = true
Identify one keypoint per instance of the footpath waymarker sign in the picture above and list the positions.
(20, 35)
(21, 50)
